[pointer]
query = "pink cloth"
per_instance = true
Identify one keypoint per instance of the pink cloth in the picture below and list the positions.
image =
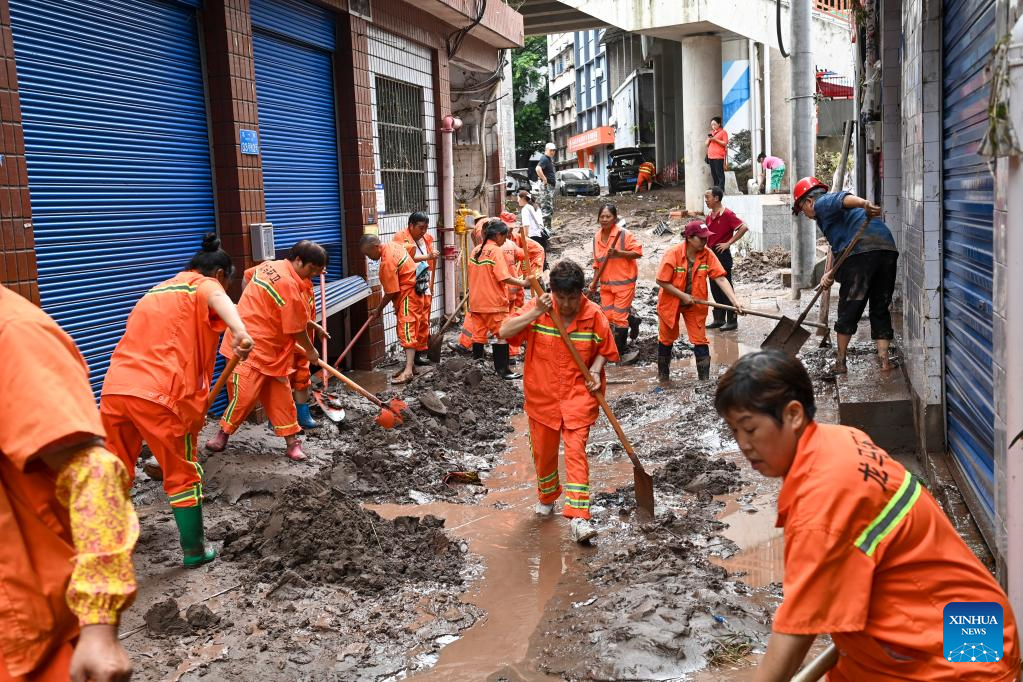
(772, 162)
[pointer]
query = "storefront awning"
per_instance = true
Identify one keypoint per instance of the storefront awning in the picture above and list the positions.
(591, 138)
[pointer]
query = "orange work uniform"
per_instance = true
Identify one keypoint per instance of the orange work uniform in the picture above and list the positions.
(675, 268)
(488, 296)
(159, 381)
(618, 282)
(534, 253)
(426, 300)
(39, 627)
(514, 255)
(558, 404)
(646, 175)
(398, 276)
(274, 306)
(301, 375)
(871, 559)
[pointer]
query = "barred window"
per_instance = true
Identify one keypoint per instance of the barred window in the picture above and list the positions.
(402, 145)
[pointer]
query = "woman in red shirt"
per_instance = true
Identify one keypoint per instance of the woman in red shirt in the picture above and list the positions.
(717, 148)
(726, 229)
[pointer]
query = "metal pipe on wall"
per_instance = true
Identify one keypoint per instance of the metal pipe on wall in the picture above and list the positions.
(449, 124)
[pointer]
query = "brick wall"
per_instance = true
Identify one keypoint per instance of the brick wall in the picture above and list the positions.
(17, 246)
(921, 213)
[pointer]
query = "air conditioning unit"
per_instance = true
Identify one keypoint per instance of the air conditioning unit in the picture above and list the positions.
(262, 237)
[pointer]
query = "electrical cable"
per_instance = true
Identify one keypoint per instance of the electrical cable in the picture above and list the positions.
(454, 41)
(777, 23)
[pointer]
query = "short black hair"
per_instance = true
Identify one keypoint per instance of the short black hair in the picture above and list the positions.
(211, 258)
(309, 251)
(567, 277)
(764, 383)
(716, 119)
(609, 207)
(718, 193)
(419, 217)
(761, 156)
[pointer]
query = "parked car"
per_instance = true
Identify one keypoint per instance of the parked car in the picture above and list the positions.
(578, 182)
(623, 168)
(516, 179)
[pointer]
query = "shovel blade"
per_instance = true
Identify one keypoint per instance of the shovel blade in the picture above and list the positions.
(786, 336)
(644, 483)
(433, 350)
(330, 410)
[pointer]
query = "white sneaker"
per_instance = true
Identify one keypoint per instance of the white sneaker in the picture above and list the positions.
(583, 530)
(544, 509)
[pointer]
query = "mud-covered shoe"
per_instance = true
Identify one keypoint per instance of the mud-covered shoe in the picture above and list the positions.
(544, 510)
(218, 443)
(703, 368)
(421, 360)
(294, 452)
(583, 530)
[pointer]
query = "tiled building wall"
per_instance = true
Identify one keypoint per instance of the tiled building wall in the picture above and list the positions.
(921, 213)
(891, 117)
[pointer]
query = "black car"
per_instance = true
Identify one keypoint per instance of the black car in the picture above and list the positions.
(578, 182)
(623, 169)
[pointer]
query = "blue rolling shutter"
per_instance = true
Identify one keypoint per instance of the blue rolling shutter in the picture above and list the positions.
(967, 231)
(293, 43)
(117, 150)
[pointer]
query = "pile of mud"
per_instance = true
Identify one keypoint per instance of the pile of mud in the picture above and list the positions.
(760, 266)
(696, 473)
(327, 538)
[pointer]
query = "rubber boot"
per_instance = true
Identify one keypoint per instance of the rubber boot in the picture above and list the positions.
(621, 335)
(478, 351)
(501, 362)
(193, 539)
(218, 443)
(703, 368)
(294, 452)
(731, 323)
(663, 361)
(421, 359)
(634, 321)
(719, 318)
(305, 419)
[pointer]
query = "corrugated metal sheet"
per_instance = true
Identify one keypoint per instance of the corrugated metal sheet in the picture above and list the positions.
(968, 198)
(298, 128)
(116, 142)
(342, 294)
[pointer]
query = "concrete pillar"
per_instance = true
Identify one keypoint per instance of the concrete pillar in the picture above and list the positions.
(780, 142)
(701, 87)
(804, 138)
(660, 111)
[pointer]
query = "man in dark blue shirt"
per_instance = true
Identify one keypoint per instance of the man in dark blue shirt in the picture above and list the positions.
(867, 276)
(543, 188)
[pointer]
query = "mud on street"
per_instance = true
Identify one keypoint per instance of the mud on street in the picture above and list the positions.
(363, 563)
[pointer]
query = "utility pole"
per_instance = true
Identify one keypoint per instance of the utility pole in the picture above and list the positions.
(803, 138)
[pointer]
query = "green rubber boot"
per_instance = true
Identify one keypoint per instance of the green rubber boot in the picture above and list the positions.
(193, 539)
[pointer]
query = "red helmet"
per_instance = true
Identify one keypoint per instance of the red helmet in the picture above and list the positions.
(802, 188)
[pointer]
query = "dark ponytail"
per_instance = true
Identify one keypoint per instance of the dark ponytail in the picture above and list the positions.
(211, 258)
(494, 227)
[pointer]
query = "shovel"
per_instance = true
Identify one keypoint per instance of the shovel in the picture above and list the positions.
(644, 482)
(222, 379)
(818, 667)
(595, 284)
(789, 336)
(437, 340)
(757, 313)
(390, 412)
(330, 407)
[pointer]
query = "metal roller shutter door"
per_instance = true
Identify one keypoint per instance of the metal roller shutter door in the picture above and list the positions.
(293, 43)
(114, 114)
(967, 265)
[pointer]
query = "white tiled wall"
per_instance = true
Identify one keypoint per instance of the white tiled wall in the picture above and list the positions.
(403, 60)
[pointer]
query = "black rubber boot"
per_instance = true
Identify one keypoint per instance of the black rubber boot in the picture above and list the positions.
(703, 367)
(719, 318)
(500, 351)
(421, 359)
(621, 335)
(731, 323)
(663, 361)
(634, 321)
(478, 351)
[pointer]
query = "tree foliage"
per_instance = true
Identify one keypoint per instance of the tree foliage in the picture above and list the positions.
(530, 94)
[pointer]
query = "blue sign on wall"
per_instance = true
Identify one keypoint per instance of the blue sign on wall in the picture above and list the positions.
(250, 141)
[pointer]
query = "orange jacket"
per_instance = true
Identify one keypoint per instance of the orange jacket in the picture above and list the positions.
(535, 253)
(169, 347)
(397, 271)
(871, 559)
(620, 272)
(414, 249)
(36, 561)
(513, 256)
(647, 168)
(674, 269)
(555, 391)
(274, 306)
(487, 273)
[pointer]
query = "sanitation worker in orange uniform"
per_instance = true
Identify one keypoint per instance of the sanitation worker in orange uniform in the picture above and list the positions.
(489, 279)
(514, 256)
(398, 279)
(66, 520)
(618, 281)
(646, 174)
(275, 309)
(559, 403)
(419, 244)
(682, 276)
(870, 557)
(158, 383)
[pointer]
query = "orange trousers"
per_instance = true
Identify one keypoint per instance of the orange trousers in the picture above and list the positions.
(407, 308)
(616, 302)
(468, 331)
(247, 386)
(642, 179)
(55, 668)
(423, 323)
(301, 378)
(544, 443)
(128, 421)
(487, 325)
(695, 317)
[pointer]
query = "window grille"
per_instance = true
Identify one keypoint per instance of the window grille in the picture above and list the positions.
(402, 145)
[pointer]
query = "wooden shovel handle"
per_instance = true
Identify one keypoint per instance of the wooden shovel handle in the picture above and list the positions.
(818, 667)
(363, 328)
(757, 313)
(600, 272)
(222, 380)
(537, 291)
(451, 317)
(352, 385)
(838, 264)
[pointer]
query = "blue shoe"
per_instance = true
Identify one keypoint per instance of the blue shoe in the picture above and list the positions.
(305, 420)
